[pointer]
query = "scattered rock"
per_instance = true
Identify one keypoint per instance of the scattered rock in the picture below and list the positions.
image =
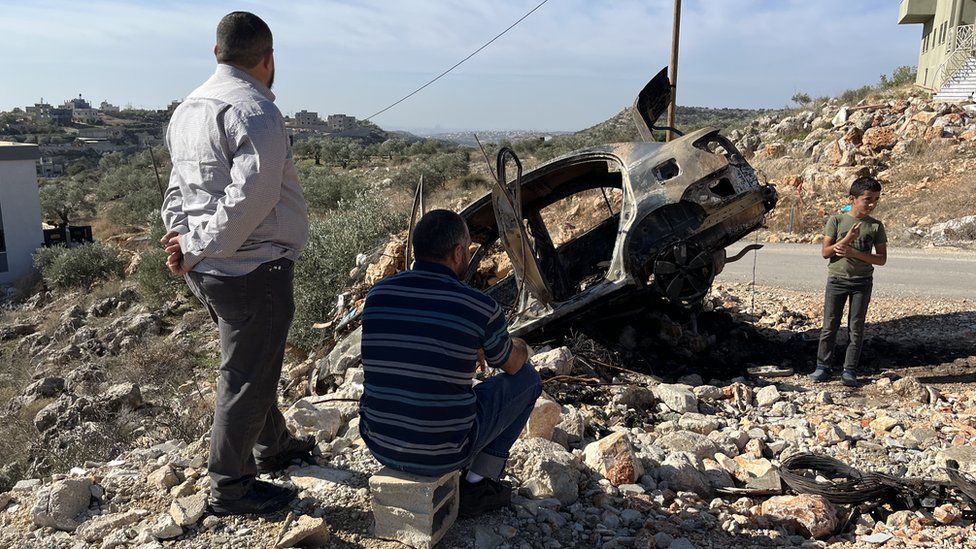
(947, 513)
(188, 510)
(165, 477)
(59, 504)
(910, 388)
(557, 362)
(682, 472)
(614, 458)
(678, 398)
(684, 441)
(309, 418)
(164, 527)
(814, 515)
(767, 396)
(546, 414)
(307, 531)
(103, 525)
(546, 470)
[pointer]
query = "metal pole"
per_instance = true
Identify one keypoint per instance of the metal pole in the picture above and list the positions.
(675, 33)
(159, 184)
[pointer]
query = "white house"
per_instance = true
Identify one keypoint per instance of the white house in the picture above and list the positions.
(20, 210)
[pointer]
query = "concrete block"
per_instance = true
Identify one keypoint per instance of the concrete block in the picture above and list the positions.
(411, 509)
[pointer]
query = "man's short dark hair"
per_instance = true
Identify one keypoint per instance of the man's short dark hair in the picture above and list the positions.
(864, 184)
(243, 39)
(437, 233)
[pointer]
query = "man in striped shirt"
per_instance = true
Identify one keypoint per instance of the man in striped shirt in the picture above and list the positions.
(424, 332)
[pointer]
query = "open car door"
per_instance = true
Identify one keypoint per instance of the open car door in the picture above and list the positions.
(507, 203)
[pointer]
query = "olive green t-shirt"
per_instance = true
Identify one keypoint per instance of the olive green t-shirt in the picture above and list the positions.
(872, 234)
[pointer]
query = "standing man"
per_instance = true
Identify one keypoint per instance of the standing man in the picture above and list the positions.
(237, 222)
(424, 331)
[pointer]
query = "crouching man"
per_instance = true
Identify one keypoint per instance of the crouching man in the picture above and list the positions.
(423, 334)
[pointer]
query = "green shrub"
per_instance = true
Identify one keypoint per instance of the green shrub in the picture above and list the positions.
(129, 186)
(322, 272)
(78, 267)
(437, 169)
(325, 188)
(156, 284)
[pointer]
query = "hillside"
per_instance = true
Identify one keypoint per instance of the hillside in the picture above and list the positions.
(107, 364)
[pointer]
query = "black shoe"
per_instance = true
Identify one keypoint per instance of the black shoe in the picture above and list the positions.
(482, 497)
(264, 498)
(820, 375)
(299, 449)
(849, 378)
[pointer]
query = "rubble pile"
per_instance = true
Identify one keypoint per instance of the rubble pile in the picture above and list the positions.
(828, 146)
(641, 461)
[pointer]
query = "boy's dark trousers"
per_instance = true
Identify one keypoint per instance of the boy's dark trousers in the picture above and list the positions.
(253, 313)
(839, 291)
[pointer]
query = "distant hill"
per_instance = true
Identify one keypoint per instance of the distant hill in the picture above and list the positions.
(621, 127)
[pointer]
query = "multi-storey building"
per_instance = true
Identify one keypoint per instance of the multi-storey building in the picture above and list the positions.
(947, 49)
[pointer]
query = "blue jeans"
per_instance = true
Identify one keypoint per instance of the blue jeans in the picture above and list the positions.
(505, 403)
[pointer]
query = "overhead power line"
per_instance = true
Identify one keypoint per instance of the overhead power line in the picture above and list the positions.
(458, 64)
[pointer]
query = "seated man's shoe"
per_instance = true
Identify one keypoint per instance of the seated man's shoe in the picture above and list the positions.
(264, 498)
(820, 375)
(849, 378)
(299, 449)
(482, 497)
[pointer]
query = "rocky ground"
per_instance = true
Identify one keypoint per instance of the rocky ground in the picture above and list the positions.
(613, 456)
(922, 151)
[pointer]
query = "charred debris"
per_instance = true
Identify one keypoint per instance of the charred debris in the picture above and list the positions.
(671, 210)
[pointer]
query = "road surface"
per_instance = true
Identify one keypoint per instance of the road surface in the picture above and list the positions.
(936, 273)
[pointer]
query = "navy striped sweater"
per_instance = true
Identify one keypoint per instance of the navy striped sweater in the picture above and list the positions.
(422, 330)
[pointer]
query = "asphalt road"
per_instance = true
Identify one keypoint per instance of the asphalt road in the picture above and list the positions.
(913, 272)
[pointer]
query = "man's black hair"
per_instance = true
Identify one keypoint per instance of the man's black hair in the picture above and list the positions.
(243, 39)
(437, 233)
(864, 184)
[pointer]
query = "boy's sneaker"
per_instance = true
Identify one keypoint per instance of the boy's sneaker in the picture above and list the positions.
(263, 498)
(298, 449)
(483, 496)
(849, 378)
(820, 375)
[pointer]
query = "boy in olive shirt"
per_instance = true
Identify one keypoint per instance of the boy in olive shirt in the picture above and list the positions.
(847, 243)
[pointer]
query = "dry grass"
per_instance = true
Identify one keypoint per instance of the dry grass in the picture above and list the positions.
(170, 373)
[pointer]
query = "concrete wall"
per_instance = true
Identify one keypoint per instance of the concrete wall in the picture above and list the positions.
(937, 18)
(20, 210)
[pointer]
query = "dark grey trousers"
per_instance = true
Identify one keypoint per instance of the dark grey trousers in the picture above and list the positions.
(840, 291)
(253, 313)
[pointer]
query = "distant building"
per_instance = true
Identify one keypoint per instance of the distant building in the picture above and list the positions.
(341, 122)
(947, 49)
(109, 108)
(50, 166)
(84, 116)
(43, 112)
(305, 118)
(20, 210)
(172, 106)
(78, 103)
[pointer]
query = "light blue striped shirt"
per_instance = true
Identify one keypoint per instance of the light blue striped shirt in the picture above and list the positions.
(233, 193)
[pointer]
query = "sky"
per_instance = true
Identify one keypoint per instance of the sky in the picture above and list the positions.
(569, 65)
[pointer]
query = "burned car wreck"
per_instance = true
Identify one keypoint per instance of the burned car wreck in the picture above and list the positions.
(661, 240)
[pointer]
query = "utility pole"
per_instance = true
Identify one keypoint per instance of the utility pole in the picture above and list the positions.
(675, 34)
